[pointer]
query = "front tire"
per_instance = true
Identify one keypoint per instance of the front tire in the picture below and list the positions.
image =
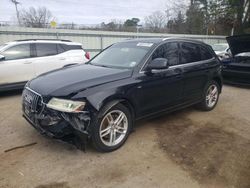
(112, 129)
(210, 96)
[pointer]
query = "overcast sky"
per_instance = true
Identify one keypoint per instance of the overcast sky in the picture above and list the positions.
(87, 11)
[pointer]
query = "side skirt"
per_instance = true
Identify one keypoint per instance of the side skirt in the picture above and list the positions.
(12, 86)
(168, 110)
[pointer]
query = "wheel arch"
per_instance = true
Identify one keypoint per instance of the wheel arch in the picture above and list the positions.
(107, 105)
(218, 80)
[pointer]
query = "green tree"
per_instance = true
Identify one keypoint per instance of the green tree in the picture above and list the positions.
(177, 25)
(131, 22)
(195, 20)
(241, 9)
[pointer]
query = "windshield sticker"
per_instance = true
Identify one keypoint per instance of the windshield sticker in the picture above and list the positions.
(144, 44)
(125, 49)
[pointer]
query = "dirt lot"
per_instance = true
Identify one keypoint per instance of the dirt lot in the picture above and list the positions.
(183, 149)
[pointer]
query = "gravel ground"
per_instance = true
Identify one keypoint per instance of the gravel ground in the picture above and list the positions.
(187, 148)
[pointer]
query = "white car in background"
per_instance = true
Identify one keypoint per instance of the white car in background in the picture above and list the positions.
(25, 59)
(222, 50)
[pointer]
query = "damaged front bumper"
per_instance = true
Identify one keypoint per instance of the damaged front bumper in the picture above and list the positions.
(70, 127)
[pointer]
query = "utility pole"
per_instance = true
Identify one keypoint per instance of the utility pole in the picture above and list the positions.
(137, 29)
(15, 2)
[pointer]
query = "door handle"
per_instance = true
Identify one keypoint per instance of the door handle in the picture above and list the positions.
(27, 62)
(62, 58)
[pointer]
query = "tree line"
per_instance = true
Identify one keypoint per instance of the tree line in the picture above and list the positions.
(208, 17)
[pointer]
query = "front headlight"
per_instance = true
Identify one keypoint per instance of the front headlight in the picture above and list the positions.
(66, 105)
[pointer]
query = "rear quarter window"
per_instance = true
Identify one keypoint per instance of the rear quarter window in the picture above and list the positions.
(71, 47)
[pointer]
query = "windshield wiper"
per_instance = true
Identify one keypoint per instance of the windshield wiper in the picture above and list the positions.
(99, 65)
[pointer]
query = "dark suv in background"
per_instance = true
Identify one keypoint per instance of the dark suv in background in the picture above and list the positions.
(127, 81)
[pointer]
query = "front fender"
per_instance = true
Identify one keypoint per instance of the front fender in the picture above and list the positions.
(100, 96)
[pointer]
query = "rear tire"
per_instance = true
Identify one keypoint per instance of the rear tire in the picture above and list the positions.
(210, 96)
(112, 129)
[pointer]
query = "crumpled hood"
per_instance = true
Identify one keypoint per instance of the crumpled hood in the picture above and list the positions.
(239, 44)
(70, 80)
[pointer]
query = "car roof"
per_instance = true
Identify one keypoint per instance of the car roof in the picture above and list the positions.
(42, 41)
(160, 40)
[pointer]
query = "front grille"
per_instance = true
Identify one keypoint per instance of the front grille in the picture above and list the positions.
(32, 103)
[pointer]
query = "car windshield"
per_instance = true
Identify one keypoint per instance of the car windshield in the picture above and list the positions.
(122, 55)
(219, 47)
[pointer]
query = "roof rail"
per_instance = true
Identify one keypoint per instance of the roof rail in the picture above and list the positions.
(44, 39)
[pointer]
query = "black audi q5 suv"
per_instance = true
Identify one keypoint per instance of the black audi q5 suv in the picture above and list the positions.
(101, 100)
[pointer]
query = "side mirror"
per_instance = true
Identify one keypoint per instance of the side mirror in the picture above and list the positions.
(2, 57)
(158, 63)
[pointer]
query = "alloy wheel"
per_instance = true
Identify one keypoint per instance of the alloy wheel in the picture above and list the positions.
(212, 95)
(113, 128)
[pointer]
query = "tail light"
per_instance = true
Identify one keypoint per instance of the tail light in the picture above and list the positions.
(87, 55)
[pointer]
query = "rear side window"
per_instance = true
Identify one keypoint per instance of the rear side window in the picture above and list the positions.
(20, 51)
(60, 48)
(170, 51)
(46, 49)
(190, 52)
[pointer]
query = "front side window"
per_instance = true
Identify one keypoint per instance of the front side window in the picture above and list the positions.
(169, 51)
(46, 49)
(190, 52)
(17, 52)
(122, 55)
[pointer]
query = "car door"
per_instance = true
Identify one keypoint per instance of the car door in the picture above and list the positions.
(196, 62)
(161, 89)
(47, 57)
(17, 65)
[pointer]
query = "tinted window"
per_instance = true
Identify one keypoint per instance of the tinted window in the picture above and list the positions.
(205, 54)
(45, 49)
(60, 48)
(75, 47)
(70, 47)
(64, 47)
(190, 52)
(17, 52)
(170, 51)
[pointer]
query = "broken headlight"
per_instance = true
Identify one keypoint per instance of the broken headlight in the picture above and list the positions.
(66, 105)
